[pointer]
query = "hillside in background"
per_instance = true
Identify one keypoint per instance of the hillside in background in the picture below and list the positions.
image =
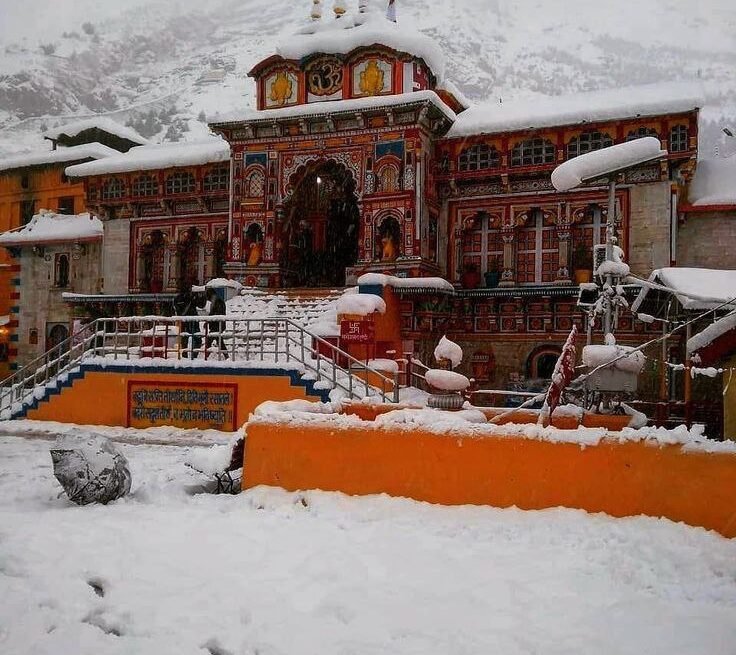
(165, 66)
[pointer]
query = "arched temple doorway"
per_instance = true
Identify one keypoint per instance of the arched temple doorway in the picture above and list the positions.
(321, 226)
(191, 255)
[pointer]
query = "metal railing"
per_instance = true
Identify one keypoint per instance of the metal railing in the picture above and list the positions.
(231, 338)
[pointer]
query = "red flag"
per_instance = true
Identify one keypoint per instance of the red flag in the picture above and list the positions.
(563, 374)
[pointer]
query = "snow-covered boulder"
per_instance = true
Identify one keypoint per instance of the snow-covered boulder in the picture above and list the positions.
(91, 471)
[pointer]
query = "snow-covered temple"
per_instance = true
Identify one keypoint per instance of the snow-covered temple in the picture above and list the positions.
(361, 156)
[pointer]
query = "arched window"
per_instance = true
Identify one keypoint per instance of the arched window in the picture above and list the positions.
(144, 185)
(641, 133)
(533, 152)
(587, 142)
(217, 179)
(182, 182)
(151, 274)
(679, 139)
(61, 271)
(255, 183)
(479, 157)
(191, 258)
(113, 189)
(541, 363)
(388, 179)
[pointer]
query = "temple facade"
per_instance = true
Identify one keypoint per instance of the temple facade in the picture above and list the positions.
(361, 156)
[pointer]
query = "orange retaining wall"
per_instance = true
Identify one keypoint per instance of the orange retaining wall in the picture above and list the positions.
(101, 398)
(620, 479)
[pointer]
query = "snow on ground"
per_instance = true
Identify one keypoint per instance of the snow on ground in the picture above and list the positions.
(272, 572)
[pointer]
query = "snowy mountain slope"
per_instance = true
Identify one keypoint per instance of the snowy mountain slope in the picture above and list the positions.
(146, 62)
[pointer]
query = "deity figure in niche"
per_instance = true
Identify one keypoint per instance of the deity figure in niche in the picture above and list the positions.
(390, 236)
(254, 244)
(254, 257)
(372, 79)
(281, 89)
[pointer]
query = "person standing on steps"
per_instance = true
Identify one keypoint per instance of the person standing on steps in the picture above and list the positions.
(185, 305)
(217, 307)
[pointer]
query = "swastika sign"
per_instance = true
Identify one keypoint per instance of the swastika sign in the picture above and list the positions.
(357, 331)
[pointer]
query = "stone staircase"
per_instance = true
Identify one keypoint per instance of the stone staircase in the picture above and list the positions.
(313, 309)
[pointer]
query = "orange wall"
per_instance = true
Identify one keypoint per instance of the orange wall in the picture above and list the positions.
(620, 479)
(101, 398)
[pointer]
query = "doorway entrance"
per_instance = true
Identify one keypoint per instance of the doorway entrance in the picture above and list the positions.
(321, 227)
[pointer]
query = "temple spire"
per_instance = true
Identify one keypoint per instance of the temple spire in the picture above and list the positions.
(316, 10)
(391, 10)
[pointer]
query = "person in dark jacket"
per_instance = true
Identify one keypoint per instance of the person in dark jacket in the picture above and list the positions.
(216, 328)
(185, 305)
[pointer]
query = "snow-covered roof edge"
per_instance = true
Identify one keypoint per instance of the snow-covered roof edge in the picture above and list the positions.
(100, 122)
(153, 157)
(694, 288)
(58, 156)
(579, 108)
(714, 183)
(714, 331)
(50, 227)
(335, 107)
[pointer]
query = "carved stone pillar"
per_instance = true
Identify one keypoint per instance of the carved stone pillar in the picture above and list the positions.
(564, 235)
(508, 276)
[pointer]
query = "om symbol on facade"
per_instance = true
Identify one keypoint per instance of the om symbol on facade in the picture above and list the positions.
(325, 77)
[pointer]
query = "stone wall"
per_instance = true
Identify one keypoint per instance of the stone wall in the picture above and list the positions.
(707, 240)
(41, 302)
(649, 227)
(117, 256)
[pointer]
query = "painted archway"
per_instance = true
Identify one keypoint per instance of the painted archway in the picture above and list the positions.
(320, 226)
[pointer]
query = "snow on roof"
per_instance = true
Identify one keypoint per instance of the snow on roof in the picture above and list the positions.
(695, 288)
(100, 122)
(361, 30)
(58, 156)
(596, 164)
(335, 106)
(361, 304)
(152, 157)
(450, 87)
(48, 227)
(711, 333)
(369, 279)
(714, 183)
(553, 111)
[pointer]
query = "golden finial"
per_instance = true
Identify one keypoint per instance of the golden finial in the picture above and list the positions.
(316, 9)
(339, 8)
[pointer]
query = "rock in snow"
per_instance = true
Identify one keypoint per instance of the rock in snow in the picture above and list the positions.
(92, 471)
